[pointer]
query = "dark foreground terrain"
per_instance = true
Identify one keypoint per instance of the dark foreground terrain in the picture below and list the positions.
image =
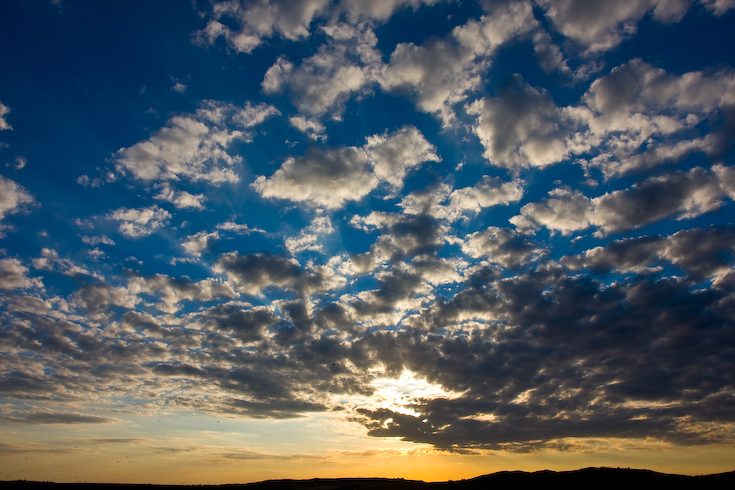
(587, 478)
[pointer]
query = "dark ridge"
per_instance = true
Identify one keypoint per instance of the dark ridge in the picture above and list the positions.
(586, 478)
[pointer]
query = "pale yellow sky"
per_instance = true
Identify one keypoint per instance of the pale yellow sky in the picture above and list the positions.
(189, 448)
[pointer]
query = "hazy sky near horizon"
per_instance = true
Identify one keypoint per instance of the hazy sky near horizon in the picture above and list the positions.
(427, 239)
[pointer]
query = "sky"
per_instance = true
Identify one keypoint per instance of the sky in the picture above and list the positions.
(428, 239)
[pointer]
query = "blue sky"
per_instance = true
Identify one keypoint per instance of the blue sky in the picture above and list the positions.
(415, 238)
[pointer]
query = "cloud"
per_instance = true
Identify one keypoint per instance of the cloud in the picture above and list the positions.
(701, 253)
(490, 191)
(194, 146)
(395, 154)
(401, 236)
(311, 237)
(357, 10)
(260, 20)
(58, 418)
(329, 178)
(312, 127)
(502, 246)
(13, 275)
(345, 66)
(253, 273)
(13, 197)
(565, 210)
(137, 223)
(4, 110)
(180, 199)
(440, 72)
(522, 127)
(199, 242)
(679, 195)
(605, 24)
(173, 291)
(718, 7)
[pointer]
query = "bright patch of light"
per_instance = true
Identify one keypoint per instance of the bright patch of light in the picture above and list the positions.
(402, 395)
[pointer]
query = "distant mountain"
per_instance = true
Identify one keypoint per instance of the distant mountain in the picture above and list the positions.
(587, 478)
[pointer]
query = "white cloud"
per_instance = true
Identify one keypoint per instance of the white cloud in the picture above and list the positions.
(440, 72)
(194, 146)
(312, 236)
(603, 24)
(322, 83)
(321, 178)
(679, 195)
(382, 10)
(260, 20)
(312, 127)
(718, 7)
(522, 127)
(13, 275)
(639, 106)
(180, 199)
(238, 228)
(564, 210)
(12, 198)
(502, 246)
(395, 154)
(197, 243)
(96, 240)
(329, 178)
(137, 223)
(3, 112)
(51, 261)
(490, 191)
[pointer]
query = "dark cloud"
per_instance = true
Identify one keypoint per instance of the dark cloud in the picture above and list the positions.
(253, 273)
(58, 418)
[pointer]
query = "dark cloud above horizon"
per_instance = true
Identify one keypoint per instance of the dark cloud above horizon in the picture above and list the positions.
(528, 206)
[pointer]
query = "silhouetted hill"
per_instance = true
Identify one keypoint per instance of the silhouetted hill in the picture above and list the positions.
(587, 478)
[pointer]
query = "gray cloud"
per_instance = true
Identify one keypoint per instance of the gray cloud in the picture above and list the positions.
(331, 177)
(680, 195)
(253, 273)
(522, 127)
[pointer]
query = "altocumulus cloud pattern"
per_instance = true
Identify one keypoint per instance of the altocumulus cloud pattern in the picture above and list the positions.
(474, 227)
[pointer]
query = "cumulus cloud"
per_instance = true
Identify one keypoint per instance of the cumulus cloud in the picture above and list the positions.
(602, 25)
(172, 291)
(393, 155)
(194, 146)
(565, 211)
(357, 10)
(522, 127)
(679, 195)
(329, 178)
(253, 273)
(343, 67)
(441, 71)
(13, 197)
(502, 246)
(137, 223)
(13, 274)
(180, 199)
(199, 242)
(490, 191)
(641, 116)
(311, 237)
(312, 127)
(4, 110)
(701, 253)
(258, 21)
(402, 235)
